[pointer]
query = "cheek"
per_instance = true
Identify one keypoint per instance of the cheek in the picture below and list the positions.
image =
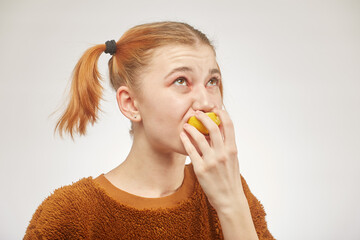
(171, 113)
(171, 105)
(164, 111)
(167, 116)
(218, 100)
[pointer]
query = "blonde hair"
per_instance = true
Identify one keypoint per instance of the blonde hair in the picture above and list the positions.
(133, 52)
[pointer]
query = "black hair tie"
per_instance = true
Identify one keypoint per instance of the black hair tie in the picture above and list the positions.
(110, 47)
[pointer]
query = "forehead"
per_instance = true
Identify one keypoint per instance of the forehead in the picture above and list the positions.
(172, 55)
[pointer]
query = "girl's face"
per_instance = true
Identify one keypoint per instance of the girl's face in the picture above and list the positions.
(179, 80)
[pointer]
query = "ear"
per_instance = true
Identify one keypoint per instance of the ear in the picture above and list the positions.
(127, 103)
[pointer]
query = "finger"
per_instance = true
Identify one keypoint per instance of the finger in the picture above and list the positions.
(213, 129)
(199, 139)
(228, 127)
(191, 150)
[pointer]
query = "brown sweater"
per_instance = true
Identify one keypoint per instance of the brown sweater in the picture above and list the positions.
(96, 209)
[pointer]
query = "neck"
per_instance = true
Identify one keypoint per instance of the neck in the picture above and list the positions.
(148, 172)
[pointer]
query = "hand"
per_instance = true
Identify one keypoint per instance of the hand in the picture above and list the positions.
(215, 160)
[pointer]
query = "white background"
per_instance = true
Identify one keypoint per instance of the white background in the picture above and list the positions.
(292, 79)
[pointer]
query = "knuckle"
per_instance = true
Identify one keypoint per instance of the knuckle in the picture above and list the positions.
(222, 158)
(228, 123)
(199, 137)
(200, 173)
(213, 127)
(209, 167)
(223, 112)
(233, 152)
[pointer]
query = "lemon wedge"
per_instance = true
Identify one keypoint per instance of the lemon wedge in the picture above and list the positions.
(199, 126)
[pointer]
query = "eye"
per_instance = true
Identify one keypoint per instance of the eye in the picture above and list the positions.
(214, 81)
(181, 81)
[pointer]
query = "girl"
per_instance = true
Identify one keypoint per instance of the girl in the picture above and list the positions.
(163, 73)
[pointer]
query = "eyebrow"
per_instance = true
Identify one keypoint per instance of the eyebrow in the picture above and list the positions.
(187, 69)
(179, 69)
(214, 70)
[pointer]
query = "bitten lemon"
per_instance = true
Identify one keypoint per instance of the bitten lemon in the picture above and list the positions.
(199, 126)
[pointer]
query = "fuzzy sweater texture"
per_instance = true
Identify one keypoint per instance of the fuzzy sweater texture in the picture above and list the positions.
(96, 209)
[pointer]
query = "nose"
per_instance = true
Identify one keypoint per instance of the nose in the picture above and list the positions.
(202, 100)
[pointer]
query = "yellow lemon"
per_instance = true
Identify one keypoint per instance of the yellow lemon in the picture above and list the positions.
(199, 126)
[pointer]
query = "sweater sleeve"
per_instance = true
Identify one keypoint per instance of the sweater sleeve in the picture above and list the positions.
(257, 213)
(57, 217)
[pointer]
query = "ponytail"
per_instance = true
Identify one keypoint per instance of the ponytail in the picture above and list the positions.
(85, 94)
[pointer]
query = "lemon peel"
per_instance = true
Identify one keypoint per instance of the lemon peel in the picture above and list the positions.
(199, 126)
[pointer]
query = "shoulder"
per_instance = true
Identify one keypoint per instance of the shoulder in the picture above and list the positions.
(67, 197)
(257, 211)
(76, 191)
(58, 214)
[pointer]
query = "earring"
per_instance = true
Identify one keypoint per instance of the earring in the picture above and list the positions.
(135, 116)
